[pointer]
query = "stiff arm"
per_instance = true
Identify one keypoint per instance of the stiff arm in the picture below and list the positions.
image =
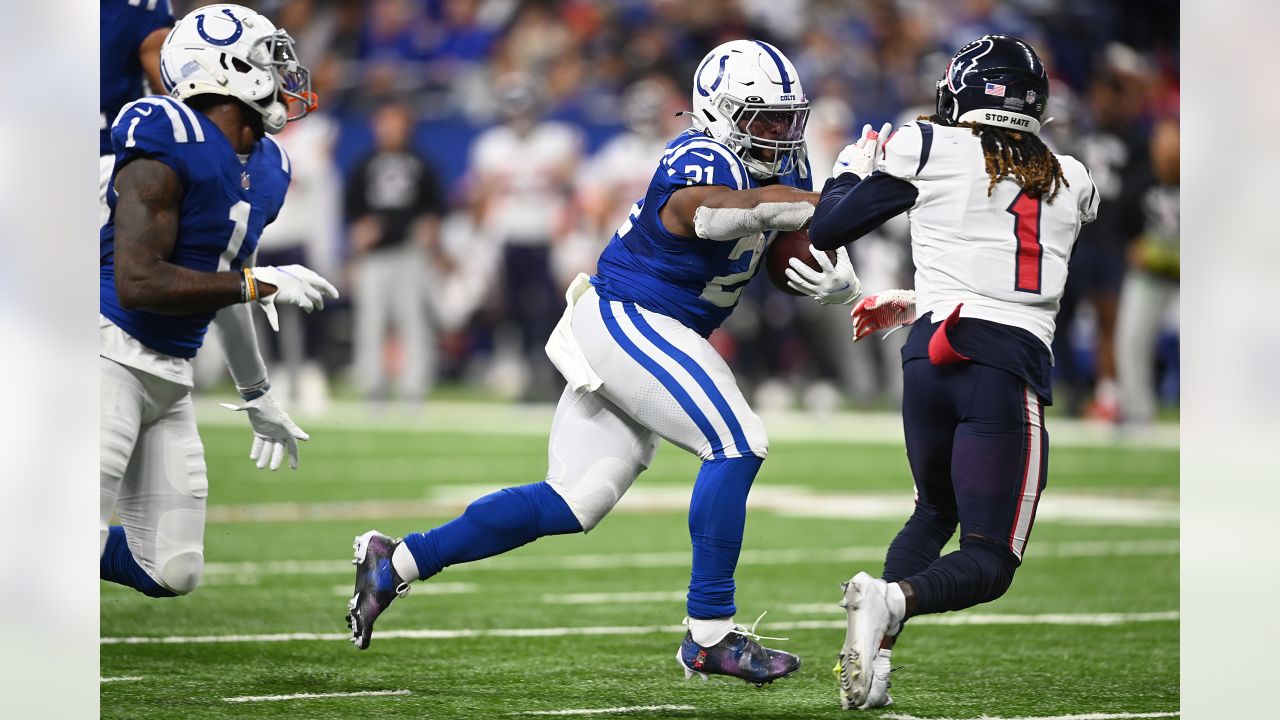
(716, 212)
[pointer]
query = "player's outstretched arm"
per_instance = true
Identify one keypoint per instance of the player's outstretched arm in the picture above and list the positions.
(716, 212)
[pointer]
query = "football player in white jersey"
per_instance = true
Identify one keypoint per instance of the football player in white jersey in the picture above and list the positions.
(994, 215)
(632, 346)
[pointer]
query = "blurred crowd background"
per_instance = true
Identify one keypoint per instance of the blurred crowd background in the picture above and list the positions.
(471, 156)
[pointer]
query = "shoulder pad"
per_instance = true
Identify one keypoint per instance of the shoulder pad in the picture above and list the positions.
(906, 152)
(700, 160)
(155, 127)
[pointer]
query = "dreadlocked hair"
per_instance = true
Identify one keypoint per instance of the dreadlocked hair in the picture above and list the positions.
(1016, 155)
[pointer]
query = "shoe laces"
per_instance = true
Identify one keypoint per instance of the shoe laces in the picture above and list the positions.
(751, 632)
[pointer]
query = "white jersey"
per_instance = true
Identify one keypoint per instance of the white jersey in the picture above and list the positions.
(1003, 256)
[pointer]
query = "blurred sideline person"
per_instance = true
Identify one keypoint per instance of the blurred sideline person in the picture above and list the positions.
(132, 32)
(522, 177)
(1151, 285)
(632, 346)
(994, 215)
(1115, 150)
(395, 203)
(196, 178)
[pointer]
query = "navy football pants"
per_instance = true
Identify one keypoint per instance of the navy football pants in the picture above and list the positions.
(979, 454)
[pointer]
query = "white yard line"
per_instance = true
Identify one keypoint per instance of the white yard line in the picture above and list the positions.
(611, 598)
(121, 678)
(608, 711)
(497, 418)
(1095, 619)
(1098, 619)
(216, 571)
(314, 696)
(1086, 716)
(790, 501)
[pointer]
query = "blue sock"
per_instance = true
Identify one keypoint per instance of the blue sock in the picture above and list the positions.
(118, 566)
(717, 515)
(492, 525)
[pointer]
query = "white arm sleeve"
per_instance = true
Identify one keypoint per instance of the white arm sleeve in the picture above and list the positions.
(240, 343)
(733, 223)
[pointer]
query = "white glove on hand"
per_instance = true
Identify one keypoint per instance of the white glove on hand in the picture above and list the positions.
(835, 285)
(860, 157)
(295, 285)
(273, 431)
(889, 309)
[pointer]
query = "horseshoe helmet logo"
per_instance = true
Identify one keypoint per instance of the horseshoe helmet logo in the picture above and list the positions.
(230, 39)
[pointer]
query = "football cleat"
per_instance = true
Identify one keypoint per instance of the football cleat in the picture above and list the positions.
(377, 584)
(738, 655)
(870, 620)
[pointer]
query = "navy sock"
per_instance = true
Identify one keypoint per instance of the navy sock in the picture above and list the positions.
(717, 515)
(919, 542)
(492, 525)
(980, 571)
(117, 565)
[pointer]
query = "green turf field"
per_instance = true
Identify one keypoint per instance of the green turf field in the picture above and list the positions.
(1090, 625)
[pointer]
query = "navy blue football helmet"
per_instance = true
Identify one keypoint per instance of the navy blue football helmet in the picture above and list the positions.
(995, 80)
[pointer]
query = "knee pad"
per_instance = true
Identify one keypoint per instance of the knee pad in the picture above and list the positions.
(996, 562)
(179, 550)
(757, 440)
(181, 573)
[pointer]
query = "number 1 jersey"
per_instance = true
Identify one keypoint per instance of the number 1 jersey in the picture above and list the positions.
(226, 202)
(1005, 255)
(693, 280)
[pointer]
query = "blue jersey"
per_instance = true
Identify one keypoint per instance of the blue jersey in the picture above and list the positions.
(225, 205)
(693, 280)
(125, 24)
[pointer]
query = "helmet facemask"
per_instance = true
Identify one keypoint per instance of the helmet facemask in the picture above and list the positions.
(768, 137)
(293, 79)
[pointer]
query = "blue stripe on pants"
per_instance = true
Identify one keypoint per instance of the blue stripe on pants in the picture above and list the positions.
(696, 371)
(664, 377)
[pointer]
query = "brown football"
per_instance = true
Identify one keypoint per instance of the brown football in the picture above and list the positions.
(786, 245)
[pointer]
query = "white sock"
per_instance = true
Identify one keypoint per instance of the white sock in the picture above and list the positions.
(402, 560)
(897, 607)
(709, 632)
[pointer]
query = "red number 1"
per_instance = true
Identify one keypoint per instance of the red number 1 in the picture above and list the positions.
(1026, 228)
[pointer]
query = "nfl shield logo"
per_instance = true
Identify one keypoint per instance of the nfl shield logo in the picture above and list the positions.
(1031, 97)
(244, 180)
(994, 89)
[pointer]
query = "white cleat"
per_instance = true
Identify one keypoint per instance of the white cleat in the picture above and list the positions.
(865, 600)
(880, 683)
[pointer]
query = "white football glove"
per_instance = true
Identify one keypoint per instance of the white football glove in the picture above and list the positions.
(295, 285)
(882, 311)
(273, 431)
(860, 157)
(834, 285)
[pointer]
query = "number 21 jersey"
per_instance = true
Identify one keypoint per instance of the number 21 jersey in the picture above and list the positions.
(693, 280)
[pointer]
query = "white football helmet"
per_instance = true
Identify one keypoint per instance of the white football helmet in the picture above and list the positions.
(234, 51)
(747, 95)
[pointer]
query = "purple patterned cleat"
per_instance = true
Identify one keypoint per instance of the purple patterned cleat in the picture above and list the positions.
(737, 655)
(377, 584)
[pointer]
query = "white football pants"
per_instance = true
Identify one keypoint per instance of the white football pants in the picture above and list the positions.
(153, 473)
(660, 379)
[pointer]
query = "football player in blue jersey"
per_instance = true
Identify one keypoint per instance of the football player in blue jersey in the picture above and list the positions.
(632, 345)
(196, 178)
(132, 32)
